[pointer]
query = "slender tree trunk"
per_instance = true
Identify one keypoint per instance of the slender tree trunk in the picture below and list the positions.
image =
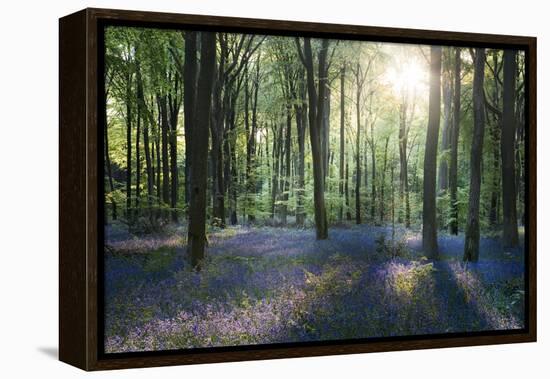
(108, 165)
(138, 159)
(286, 183)
(174, 105)
(471, 242)
(403, 161)
(373, 174)
(342, 140)
(164, 149)
(189, 103)
(216, 152)
(455, 131)
(129, 148)
(325, 135)
(443, 177)
(158, 178)
(509, 211)
(146, 142)
(197, 211)
(383, 183)
(316, 111)
(301, 126)
(429, 227)
(495, 180)
(275, 168)
(358, 151)
(346, 189)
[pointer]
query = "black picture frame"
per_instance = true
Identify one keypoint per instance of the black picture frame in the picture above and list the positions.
(81, 205)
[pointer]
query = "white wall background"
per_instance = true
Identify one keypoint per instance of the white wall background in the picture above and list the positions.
(29, 177)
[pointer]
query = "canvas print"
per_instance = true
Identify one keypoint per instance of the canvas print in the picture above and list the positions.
(280, 189)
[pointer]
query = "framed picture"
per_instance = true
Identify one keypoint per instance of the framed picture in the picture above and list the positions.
(236, 189)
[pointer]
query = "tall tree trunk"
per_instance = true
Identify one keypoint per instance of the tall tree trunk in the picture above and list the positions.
(325, 135)
(174, 103)
(342, 140)
(286, 183)
(189, 102)
(301, 125)
(443, 177)
(138, 159)
(383, 182)
(275, 169)
(251, 163)
(216, 152)
(373, 173)
(146, 142)
(197, 211)
(358, 150)
(429, 227)
(346, 190)
(129, 147)
(316, 111)
(403, 161)
(164, 149)
(108, 164)
(455, 131)
(159, 165)
(471, 242)
(509, 211)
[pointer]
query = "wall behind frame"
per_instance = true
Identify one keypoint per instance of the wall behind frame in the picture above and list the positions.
(29, 191)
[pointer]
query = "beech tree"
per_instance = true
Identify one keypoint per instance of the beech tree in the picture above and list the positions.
(471, 239)
(429, 227)
(196, 238)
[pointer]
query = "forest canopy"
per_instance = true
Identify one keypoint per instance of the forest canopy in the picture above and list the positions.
(312, 132)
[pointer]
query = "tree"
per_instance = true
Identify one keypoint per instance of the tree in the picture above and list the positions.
(443, 177)
(129, 77)
(507, 147)
(471, 242)
(197, 212)
(316, 96)
(189, 103)
(342, 139)
(429, 227)
(146, 143)
(405, 121)
(360, 76)
(455, 131)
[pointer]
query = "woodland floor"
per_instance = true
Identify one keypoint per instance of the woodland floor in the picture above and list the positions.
(275, 285)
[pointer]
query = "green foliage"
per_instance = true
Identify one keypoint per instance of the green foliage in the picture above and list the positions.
(159, 56)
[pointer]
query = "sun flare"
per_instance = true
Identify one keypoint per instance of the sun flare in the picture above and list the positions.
(408, 78)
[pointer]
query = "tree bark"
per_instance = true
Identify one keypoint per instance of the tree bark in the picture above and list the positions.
(189, 103)
(471, 241)
(358, 148)
(383, 182)
(429, 227)
(373, 173)
(146, 141)
(403, 160)
(342, 140)
(108, 165)
(129, 147)
(455, 131)
(509, 211)
(288, 155)
(301, 126)
(197, 211)
(162, 99)
(443, 177)
(316, 98)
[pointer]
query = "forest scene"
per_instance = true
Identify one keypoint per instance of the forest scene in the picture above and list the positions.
(264, 189)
